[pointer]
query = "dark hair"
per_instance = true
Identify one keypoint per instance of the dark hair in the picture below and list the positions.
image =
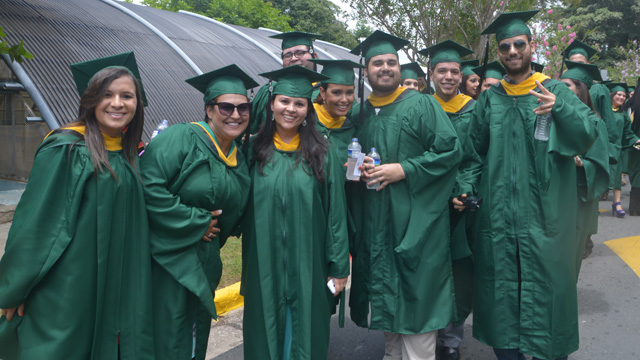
(463, 86)
(583, 94)
(318, 99)
(313, 146)
(93, 140)
(634, 105)
(623, 107)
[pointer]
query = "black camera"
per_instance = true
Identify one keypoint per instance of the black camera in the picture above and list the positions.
(471, 202)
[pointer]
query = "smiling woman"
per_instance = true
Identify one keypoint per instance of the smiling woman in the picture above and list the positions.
(196, 187)
(83, 254)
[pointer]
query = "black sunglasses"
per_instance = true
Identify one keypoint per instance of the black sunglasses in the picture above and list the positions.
(520, 45)
(226, 109)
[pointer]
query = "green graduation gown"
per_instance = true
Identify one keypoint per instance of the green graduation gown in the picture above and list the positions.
(525, 293)
(592, 180)
(185, 180)
(626, 139)
(602, 104)
(462, 223)
(78, 257)
(401, 254)
(294, 237)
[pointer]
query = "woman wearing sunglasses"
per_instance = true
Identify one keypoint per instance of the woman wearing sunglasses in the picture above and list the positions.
(295, 230)
(196, 187)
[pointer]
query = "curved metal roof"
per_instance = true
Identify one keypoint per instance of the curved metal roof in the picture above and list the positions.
(60, 33)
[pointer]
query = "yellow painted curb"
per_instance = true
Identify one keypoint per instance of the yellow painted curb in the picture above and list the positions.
(228, 299)
(629, 251)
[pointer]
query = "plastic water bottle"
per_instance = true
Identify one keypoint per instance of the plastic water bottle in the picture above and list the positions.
(543, 127)
(376, 162)
(354, 150)
(162, 126)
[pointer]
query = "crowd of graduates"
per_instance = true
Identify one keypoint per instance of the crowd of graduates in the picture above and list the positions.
(485, 200)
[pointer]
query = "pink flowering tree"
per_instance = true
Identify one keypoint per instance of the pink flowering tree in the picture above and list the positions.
(628, 69)
(551, 39)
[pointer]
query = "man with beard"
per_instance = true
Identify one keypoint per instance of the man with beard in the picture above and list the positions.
(401, 254)
(580, 52)
(527, 129)
(446, 73)
(297, 49)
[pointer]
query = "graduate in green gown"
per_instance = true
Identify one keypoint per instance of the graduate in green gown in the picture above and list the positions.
(592, 165)
(634, 161)
(493, 73)
(196, 184)
(470, 83)
(410, 75)
(77, 261)
(626, 139)
(527, 129)
(295, 237)
(297, 49)
(336, 97)
(402, 280)
(580, 52)
(445, 67)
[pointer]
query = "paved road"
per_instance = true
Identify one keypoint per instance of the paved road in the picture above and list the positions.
(608, 306)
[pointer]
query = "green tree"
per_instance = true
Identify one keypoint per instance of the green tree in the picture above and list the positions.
(427, 22)
(609, 24)
(16, 52)
(317, 16)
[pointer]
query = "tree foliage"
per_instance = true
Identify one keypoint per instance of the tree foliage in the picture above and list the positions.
(319, 17)
(428, 22)
(16, 52)
(249, 13)
(607, 24)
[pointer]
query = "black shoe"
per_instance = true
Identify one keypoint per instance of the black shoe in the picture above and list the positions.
(450, 353)
(588, 248)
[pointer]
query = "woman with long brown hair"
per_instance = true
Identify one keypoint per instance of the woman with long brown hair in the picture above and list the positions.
(75, 277)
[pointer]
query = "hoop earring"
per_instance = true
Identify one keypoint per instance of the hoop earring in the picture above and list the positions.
(323, 101)
(273, 117)
(304, 122)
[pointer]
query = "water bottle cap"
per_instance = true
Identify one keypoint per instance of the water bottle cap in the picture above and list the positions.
(373, 149)
(354, 139)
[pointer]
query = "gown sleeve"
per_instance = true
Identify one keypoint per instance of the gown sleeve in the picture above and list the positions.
(338, 233)
(629, 138)
(162, 163)
(593, 177)
(45, 219)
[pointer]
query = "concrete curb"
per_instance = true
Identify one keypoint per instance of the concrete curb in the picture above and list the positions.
(6, 213)
(228, 299)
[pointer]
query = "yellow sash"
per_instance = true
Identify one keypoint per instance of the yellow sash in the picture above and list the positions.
(281, 145)
(454, 105)
(326, 119)
(524, 87)
(231, 159)
(385, 100)
(110, 143)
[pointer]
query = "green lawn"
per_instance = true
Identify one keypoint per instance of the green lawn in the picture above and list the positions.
(231, 255)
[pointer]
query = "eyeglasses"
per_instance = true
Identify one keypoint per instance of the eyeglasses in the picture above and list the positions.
(505, 47)
(298, 54)
(226, 109)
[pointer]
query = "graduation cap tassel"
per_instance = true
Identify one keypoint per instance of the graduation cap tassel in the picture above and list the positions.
(361, 86)
(564, 57)
(484, 63)
(427, 89)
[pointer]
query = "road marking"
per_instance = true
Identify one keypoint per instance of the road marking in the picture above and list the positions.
(629, 251)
